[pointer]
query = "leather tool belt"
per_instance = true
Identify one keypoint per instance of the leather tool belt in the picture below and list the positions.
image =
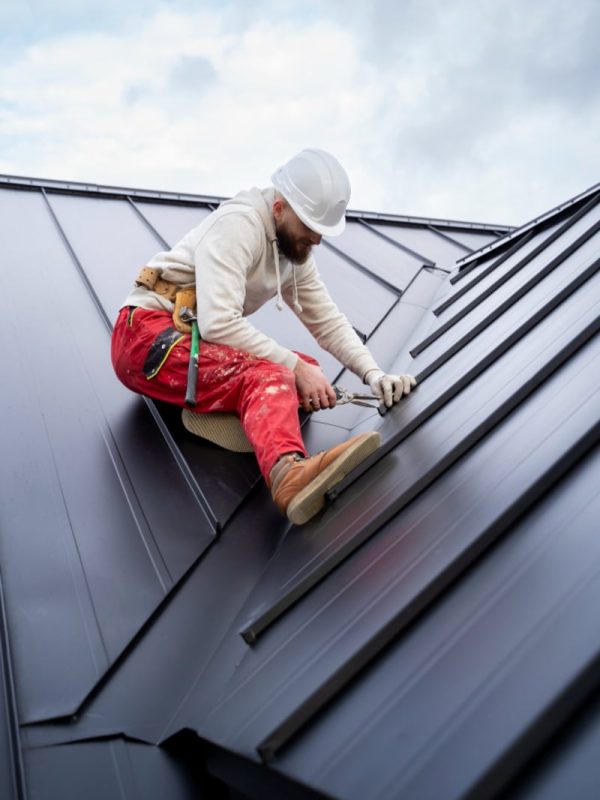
(150, 277)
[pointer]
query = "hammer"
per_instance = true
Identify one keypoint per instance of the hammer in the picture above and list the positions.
(187, 315)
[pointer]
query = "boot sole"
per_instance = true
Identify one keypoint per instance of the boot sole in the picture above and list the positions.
(219, 428)
(311, 499)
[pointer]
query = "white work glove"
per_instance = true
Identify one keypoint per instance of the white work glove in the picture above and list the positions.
(389, 388)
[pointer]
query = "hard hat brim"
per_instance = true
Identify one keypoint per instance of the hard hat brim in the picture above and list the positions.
(322, 230)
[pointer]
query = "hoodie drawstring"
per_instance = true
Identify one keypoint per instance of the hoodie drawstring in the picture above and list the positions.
(297, 306)
(279, 302)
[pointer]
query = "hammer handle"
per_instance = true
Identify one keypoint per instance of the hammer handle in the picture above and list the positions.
(192, 376)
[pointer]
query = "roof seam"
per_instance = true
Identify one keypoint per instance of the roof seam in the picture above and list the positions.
(450, 239)
(558, 298)
(77, 262)
(481, 274)
(533, 281)
(175, 451)
(396, 243)
(148, 224)
(7, 683)
(377, 278)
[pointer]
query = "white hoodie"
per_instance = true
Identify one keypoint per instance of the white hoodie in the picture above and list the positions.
(233, 260)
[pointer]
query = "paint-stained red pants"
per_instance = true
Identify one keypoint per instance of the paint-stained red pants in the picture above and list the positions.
(263, 394)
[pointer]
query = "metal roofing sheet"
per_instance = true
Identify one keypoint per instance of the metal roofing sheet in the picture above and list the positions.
(154, 678)
(533, 286)
(428, 537)
(267, 678)
(531, 415)
(474, 240)
(403, 318)
(543, 247)
(389, 342)
(225, 478)
(11, 769)
(392, 264)
(361, 298)
(425, 241)
(86, 560)
(171, 221)
(110, 241)
(347, 597)
(577, 315)
(482, 671)
(113, 768)
(468, 280)
(560, 212)
(570, 767)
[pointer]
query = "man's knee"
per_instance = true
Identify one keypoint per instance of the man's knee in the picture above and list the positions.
(277, 373)
(270, 380)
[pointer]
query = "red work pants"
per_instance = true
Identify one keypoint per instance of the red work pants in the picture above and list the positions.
(263, 394)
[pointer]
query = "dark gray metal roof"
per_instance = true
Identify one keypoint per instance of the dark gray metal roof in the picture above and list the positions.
(429, 632)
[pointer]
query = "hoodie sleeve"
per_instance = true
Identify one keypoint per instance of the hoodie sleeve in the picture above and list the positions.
(326, 322)
(223, 258)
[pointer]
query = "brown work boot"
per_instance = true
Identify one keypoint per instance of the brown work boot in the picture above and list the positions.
(299, 485)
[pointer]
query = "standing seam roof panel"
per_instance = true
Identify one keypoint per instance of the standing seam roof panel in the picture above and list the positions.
(270, 687)
(515, 277)
(584, 305)
(436, 690)
(106, 770)
(392, 264)
(511, 305)
(521, 250)
(519, 370)
(570, 768)
(73, 434)
(472, 239)
(438, 248)
(171, 221)
(12, 784)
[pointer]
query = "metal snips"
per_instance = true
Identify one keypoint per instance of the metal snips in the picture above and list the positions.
(344, 396)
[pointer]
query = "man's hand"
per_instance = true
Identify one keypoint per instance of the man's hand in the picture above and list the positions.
(389, 388)
(313, 387)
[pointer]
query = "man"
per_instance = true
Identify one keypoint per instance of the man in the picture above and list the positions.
(254, 247)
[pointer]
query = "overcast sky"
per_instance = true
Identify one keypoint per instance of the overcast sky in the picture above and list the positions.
(484, 111)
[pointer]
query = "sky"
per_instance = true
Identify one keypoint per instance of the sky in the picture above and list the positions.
(479, 110)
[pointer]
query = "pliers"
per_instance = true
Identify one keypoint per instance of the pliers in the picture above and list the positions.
(343, 396)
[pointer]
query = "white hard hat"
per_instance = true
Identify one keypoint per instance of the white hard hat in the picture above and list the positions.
(317, 188)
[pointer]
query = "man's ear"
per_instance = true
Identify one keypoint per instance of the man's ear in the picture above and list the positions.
(278, 207)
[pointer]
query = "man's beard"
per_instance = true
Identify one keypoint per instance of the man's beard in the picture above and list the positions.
(293, 249)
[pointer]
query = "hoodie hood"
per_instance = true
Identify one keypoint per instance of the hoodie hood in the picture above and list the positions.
(261, 200)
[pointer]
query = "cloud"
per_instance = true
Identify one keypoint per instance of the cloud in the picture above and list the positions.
(149, 100)
(468, 110)
(492, 114)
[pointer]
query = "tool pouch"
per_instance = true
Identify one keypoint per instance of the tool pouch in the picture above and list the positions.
(184, 298)
(150, 278)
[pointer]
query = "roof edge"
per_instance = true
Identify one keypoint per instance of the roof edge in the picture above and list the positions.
(513, 233)
(79, 187)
